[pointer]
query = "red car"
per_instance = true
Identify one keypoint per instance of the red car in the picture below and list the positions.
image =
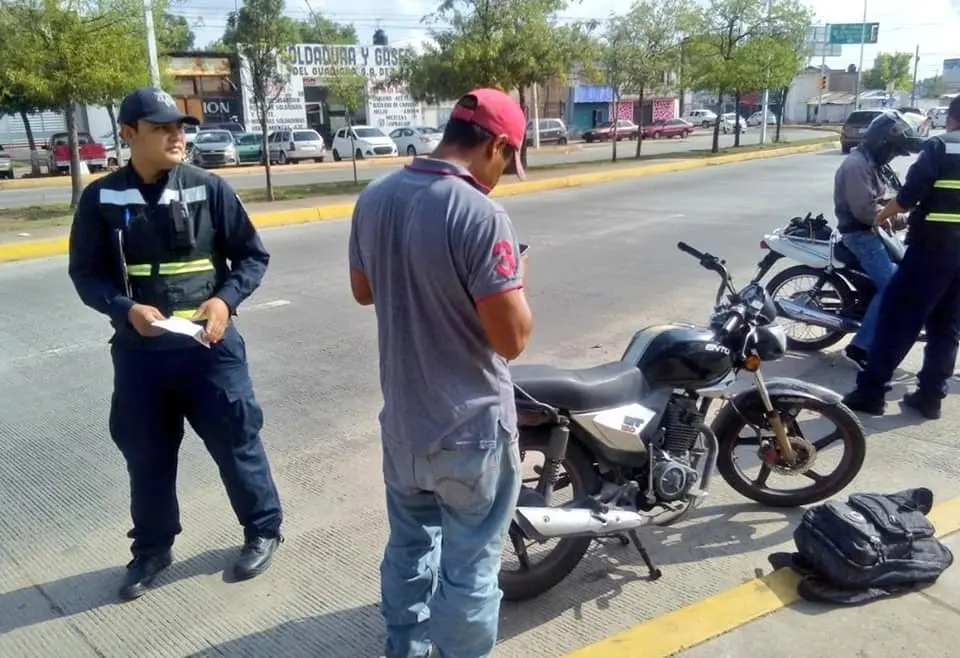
(668, 128)
(604, 131)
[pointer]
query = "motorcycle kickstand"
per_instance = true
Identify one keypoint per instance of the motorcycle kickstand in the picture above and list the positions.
(653, 571)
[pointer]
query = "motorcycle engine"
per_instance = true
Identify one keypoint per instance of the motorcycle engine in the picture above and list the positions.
(671, 475)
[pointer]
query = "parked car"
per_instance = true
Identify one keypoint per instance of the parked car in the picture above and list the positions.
(910, 110)
(938, 115)
(603, 132)
(230, 126)
(58, 150)
(214, 148)
(552, 131)
(416, 140)
(108, 144)
(249, 147)
(730, 120)
(6, 165)
(756, 118)
(704, 118)
(668, 128)
(296, 146)
(367, 142)
(853, 128)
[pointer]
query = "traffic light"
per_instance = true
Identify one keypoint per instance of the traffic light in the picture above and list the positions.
(822, 81)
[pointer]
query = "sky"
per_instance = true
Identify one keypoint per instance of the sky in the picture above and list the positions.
(902, 25)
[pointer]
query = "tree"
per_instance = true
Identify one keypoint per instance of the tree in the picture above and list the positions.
(262, 34)
(380, 37)
(647, 44)
(716, 50)
(890, 72)
(67, 51)
(772, 58)
(510, 44)
(21, 100)
(319, 29)
(350, 89)
(174, 34)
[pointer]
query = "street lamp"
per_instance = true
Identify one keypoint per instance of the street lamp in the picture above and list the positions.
(766, 91)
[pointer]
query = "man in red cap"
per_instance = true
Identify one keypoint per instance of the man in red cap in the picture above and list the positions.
(441, 263)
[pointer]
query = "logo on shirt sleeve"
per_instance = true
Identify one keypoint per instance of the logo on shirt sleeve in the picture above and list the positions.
(506, 262)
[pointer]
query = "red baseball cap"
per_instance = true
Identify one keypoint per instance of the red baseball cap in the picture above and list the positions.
(498, 114)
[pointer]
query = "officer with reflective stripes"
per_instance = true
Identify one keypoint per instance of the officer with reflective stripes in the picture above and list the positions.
(925, 291)
(152, 241)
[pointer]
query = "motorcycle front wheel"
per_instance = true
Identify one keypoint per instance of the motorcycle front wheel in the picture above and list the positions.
(735, 430)
(833, 296)
(578, 479)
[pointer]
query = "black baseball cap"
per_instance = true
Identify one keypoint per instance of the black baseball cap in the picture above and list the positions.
(154, 105)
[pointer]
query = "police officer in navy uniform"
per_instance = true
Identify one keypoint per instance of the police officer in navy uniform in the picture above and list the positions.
(925, 291)
(152, 241)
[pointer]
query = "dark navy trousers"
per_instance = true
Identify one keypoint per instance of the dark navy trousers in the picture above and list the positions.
(923, 293)
(154, 392)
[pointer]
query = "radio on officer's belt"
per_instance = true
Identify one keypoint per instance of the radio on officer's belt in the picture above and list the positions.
(182, 236)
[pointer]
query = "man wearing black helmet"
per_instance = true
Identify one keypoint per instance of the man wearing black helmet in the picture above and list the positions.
(863, 184)
(925, 291)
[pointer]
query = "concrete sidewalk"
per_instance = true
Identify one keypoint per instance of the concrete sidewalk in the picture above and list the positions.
(925, 623)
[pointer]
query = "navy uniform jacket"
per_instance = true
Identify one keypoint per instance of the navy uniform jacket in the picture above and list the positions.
(95, 263)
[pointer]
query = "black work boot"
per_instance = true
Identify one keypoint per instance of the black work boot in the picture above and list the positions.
(141, 572)
(857, 401)
(255, 557)
(925, 405)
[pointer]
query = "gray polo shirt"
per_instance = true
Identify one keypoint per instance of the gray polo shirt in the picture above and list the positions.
(432, 244)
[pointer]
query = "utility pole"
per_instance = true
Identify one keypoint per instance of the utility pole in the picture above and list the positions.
(823, 72)
(913, 89)
(536, 116)
(766, 92)
(863, 38)
(151, 43)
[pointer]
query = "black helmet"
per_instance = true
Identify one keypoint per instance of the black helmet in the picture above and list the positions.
(890, 135)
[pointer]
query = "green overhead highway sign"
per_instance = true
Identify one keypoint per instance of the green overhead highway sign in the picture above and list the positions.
(854, 33)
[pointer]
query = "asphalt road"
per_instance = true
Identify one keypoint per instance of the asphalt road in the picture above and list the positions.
(61, 194)
(603, 263)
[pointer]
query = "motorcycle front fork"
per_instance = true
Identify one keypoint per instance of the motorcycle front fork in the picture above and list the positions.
(772, 416)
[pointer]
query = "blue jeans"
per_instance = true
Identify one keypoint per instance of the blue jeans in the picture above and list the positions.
(875, 261)
(449, 512)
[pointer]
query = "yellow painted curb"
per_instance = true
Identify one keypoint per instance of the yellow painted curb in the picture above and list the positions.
(58, 246)
(704, 620)
(249, 170)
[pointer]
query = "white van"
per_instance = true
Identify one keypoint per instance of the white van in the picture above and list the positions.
(704, 118)
(939, 117)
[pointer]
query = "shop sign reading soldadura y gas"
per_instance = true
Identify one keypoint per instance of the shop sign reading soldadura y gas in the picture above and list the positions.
(310, 64)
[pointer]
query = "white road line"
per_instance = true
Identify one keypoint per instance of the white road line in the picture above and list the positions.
(267, 305)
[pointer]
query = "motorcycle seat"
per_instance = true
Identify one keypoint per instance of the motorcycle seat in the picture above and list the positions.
(581, 390)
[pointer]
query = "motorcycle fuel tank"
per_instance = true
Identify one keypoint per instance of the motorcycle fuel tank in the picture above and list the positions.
(679, 356)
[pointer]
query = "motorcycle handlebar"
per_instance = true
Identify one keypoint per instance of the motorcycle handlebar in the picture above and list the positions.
(687, 249)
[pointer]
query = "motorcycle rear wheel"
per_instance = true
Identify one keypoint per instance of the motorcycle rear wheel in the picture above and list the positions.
(846, 295)
(566, 555)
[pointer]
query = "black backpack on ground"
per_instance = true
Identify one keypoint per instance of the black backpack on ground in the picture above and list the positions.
(871, 547)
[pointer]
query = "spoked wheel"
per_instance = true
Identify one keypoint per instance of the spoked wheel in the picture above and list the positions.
(751, 462)
(530, 568)
(817, 290)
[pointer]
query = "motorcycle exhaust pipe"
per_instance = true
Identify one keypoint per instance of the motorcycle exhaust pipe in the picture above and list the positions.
(545, 523)
(800, 313)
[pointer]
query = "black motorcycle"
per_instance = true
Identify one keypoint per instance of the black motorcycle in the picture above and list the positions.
(633, 445)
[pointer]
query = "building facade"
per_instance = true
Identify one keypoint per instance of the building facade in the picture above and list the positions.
(207, 86)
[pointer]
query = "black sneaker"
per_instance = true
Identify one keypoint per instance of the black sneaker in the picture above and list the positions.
(926, 406)
(856, 355)
(857, 401)
(142, 572)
